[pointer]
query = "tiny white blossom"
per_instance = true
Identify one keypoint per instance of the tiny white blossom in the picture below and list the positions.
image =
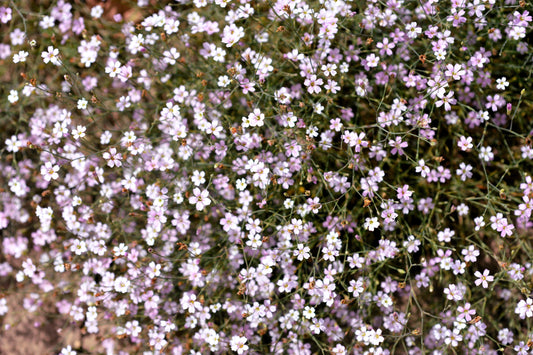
(52, 56)
(13, 96)
(20, 57)
(371, 223)
(82, 104)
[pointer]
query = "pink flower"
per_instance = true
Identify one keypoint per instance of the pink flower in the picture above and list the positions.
(447, 100)
(5, 14)
(457, 18)
(113, 158)
(465, 312)
(355, 140)
(465, 143)
(313, 84)
(200, 198)
(397, 146)
(454, 71)
(453, 293)
(232, 34)
(483, 279)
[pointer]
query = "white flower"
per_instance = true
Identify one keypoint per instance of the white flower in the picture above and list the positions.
(76, 201)
(462, 209)
(122, 284)
(223, 81)
(82, 104)
(254, 241)
(68, 351)
(302, 253)
(120, 250)
(97, 11)
(238, 344)
(113, 69)
(78, 247)
(13, 96)
(309, 312)
(198, 177)
(105, 138)
(486, 154)
(153, 270)
(413, 30)
(371, 223)
(51, 56)
(502, 83)
(241, 184)
(91, 313)
(13, 144)
(288, 204)
(440, 55)
(3, 306)
(78, 132)
(20, 57)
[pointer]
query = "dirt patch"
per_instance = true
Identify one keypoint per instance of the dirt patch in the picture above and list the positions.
(44, 332)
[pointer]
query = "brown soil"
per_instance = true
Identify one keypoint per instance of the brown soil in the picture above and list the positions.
(39, 334)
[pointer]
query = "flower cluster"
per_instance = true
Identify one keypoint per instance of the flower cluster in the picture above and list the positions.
(215, 176)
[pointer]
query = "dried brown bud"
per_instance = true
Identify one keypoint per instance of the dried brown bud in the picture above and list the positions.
(367, 202)
(475, 320)
(346, 301)
(528, 141)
